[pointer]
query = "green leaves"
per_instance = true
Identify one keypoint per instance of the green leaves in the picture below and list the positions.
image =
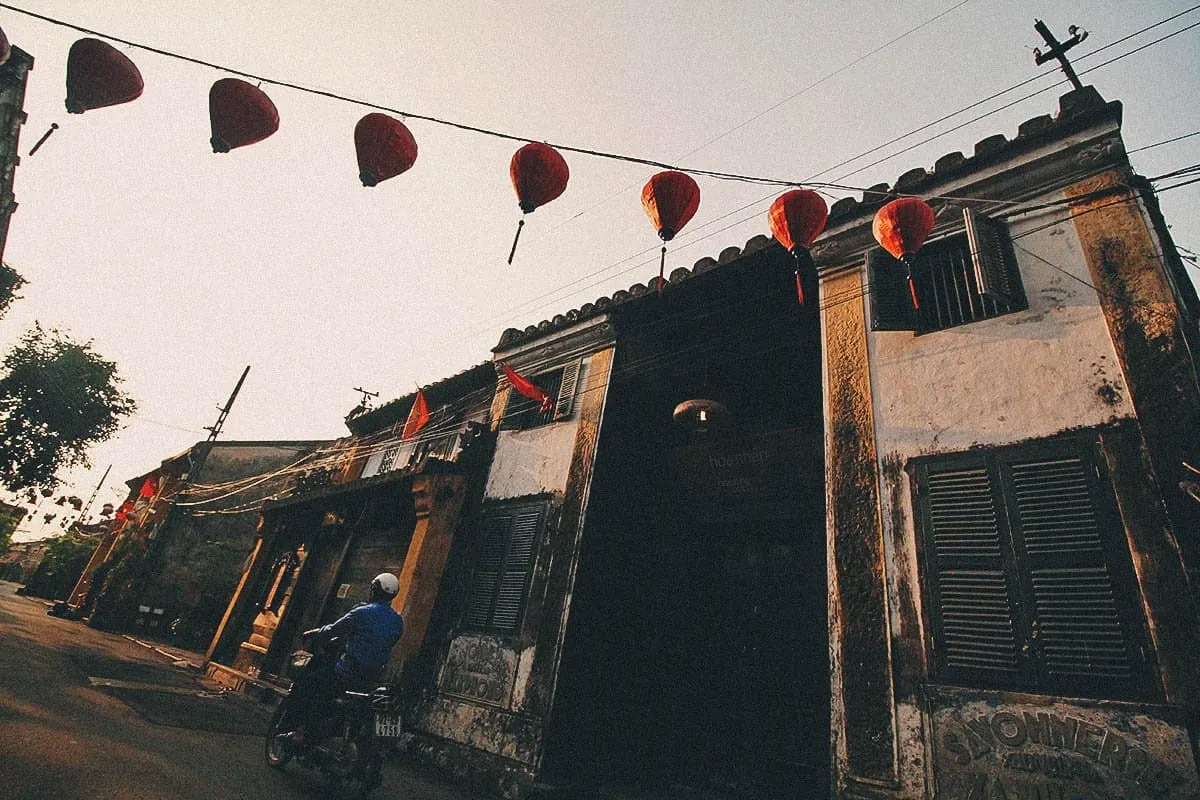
(58, 397)
(10, 282)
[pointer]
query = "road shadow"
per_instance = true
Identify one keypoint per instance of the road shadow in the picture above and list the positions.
(216, 712)
(99, 665)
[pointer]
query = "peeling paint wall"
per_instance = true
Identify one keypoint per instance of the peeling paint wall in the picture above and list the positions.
(1019, 376)
(494, 692)
(533, 461)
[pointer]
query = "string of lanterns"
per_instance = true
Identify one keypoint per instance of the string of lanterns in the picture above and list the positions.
(241, 114)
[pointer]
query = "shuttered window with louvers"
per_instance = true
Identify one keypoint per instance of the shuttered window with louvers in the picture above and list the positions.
(959, 279)
(505, 555)
(974, 601)
(1079, 632)
(1027, 572)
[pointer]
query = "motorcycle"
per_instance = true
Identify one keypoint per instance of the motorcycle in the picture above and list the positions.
(344, 735)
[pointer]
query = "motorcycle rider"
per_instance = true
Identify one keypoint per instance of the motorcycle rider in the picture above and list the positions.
(370, 632)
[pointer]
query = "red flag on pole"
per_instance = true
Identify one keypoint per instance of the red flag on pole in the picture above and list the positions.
(528, 389)
(148, 488)
(418, 415)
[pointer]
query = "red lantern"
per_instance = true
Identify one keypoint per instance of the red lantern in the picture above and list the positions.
(385, 148)
(100, 75)
(539, 174)
(797, 219)
(900, 227)
(670, 200)
(240, 114)
(5, 48)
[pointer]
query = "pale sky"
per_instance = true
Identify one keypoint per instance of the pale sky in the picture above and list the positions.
(184, 266)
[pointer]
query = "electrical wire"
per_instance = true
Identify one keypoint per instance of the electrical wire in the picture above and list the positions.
(691, 239)
(1164, 141)
(718, 344)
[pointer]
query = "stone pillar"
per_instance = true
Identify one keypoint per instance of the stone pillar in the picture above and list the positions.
(437, 500)
(863, 719)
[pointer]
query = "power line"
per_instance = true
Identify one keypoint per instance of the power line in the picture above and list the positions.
(1164, 141)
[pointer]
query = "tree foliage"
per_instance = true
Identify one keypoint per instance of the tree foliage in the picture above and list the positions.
(58, 397)
(65, 560)
(10, 282)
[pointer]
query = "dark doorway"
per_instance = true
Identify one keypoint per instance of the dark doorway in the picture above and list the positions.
(696, 651)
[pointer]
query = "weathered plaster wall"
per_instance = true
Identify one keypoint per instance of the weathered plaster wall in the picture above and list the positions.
(533, 461)
(1023, 375)
(495, 692)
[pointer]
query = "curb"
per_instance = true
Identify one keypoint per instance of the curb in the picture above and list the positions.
(176, 659)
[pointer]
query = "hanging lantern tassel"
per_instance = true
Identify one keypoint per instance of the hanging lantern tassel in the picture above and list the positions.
(45, 136)
(912, 287)
(662, 267)
(517, 238)
(803, 262)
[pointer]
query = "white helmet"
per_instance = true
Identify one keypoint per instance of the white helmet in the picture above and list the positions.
(387, 583)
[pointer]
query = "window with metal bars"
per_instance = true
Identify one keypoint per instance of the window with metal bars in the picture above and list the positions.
(959, 279)
(1027, 572)
(506, 549)
(522, 413)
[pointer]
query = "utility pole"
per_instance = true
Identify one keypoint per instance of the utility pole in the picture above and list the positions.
(87, 506)
(1059, 49)
(215, 429)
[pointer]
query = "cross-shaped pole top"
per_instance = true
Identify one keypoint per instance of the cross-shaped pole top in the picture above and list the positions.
(1059, 49)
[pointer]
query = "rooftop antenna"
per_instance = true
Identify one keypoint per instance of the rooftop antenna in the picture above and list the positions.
(364, 404)
(1059, 49)
(215, 429)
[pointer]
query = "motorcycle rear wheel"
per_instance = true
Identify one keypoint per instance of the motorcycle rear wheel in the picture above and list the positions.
(278, 750)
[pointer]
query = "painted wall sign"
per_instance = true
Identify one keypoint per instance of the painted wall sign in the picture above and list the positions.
(996, 745)
(478, 668)
(761, 468)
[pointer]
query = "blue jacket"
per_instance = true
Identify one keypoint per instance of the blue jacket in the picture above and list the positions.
(370, 630)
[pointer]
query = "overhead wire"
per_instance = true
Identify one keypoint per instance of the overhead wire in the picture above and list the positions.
(713, 345)
(649, 162)
(691, 239)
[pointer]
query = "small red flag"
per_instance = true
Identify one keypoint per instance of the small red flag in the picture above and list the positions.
(528, 389)
(418, 415)
(148, 488)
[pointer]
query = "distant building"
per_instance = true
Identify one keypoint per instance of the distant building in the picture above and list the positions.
(21, 560)
(378, 501)
(180, 540)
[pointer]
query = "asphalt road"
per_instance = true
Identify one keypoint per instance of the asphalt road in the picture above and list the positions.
(91, 715)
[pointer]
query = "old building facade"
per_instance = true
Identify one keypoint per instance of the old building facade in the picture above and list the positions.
(175, 551)
(855, 547)
(378, 500)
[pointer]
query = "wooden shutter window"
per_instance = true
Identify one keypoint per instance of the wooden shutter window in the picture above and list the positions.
(891, 304)
(523, 528)
(566, 391)
(1029, 579)
(974, 602)
(995, 271)
(1079, 629)
(507, 551)
(490, 560)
